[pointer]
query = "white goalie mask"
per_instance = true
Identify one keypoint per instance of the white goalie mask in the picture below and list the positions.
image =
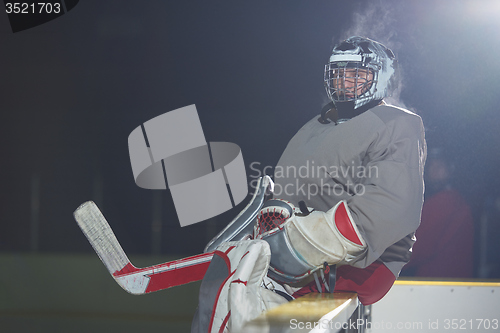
(360, 70)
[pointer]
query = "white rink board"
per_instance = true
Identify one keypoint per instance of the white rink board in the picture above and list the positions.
(433, 306)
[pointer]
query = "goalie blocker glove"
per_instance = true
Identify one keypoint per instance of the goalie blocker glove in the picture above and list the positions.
(302, 244)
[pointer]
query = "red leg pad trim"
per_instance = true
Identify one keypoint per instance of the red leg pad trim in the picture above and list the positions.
(345, 225)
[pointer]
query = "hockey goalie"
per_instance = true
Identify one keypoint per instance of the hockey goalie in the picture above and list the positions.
(351, 197)
(350, 220)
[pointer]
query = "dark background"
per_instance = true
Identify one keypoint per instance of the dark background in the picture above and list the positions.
(74, 88)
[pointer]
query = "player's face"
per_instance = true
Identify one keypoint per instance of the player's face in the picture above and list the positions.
(351, 82)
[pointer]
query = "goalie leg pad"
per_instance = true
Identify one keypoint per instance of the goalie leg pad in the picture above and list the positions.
(231, 292)
(330, 236)
(345, 224)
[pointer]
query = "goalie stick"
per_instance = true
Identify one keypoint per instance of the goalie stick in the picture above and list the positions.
(140, 281)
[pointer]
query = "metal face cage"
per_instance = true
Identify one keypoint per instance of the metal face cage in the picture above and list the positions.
(349, 81)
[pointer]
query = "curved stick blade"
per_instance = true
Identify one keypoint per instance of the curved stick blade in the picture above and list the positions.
(101, 237)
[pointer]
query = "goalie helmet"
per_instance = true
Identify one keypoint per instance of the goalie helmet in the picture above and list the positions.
(360, 71)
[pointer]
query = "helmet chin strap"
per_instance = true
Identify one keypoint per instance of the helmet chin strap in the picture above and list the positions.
(342, 111)
(328, 112)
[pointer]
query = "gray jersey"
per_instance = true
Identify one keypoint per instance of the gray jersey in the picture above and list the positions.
(375, 162)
